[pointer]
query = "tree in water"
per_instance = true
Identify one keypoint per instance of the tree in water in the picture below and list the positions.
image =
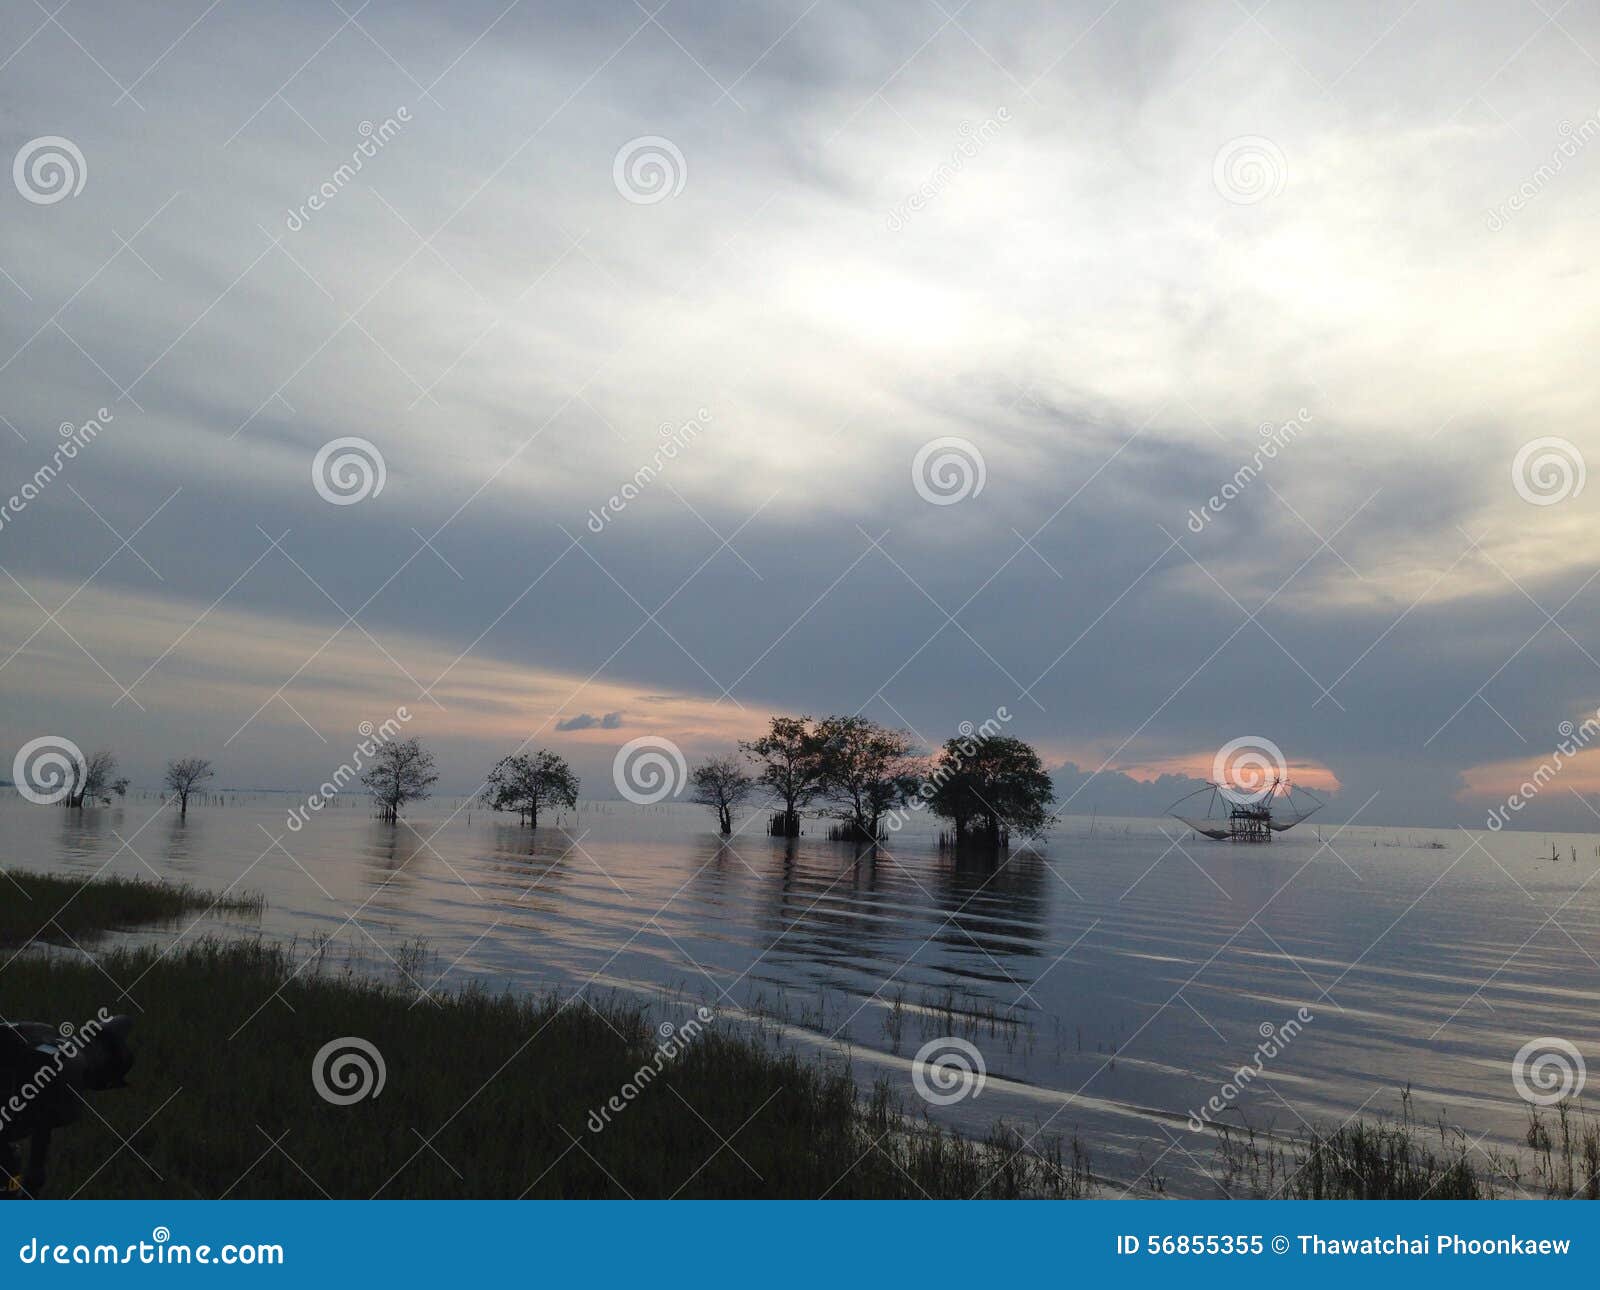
(789, 764)
(401, 772)
(866, 770)
(184, 775)
(95, 780)
(988, 788)
(525, 782)
(721, 784)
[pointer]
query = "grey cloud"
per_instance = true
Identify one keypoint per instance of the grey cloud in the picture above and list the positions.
(587, 721)
(1079, 302)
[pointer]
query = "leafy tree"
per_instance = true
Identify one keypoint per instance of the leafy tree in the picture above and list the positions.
(790, 766)
(401, 772)
(184, 775)
(989, 787)
(866, 770)
(721, 784)
(525, 782)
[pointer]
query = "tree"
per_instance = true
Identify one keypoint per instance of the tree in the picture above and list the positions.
(401, 772)
(865, 770)
(989, 787)
(788, 756)
(721, 784)
(92, 780)
(184, 774)
(524, 782)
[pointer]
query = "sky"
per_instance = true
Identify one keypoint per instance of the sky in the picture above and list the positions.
(1161, 376)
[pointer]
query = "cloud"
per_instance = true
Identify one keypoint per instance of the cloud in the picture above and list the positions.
(1078, 298)
(587, 721)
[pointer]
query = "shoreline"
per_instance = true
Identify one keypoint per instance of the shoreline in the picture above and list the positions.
(246, 1052)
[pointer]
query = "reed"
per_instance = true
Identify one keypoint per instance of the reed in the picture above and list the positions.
(59, 909)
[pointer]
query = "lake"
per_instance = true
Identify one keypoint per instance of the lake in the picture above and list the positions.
(1111, 981)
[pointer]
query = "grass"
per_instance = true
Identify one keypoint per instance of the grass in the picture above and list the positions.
(1402, 1159)
(51, 908)
(485, 1095)
(1362, 1160)
(490, 1096)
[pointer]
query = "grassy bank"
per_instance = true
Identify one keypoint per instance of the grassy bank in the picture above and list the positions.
(61, 910)
(484, 1096)
(499, 1096)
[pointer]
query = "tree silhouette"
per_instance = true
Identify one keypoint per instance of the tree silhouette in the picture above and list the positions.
(721, 784)
(865, 770)
(989, 787)
(183, 775)
(93, 780)
(401, 772)
(789, 764)
(524, 782)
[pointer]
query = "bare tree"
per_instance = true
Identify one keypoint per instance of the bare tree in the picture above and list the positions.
(184, 775)
(523, 782)
(401, 772)
(721, 784)
(789, 765)
(95, 780)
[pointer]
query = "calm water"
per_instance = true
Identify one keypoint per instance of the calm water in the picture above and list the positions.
(1111, 982)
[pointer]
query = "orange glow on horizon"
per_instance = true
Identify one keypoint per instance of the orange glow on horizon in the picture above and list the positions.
(1580, 773)
(1197, 765)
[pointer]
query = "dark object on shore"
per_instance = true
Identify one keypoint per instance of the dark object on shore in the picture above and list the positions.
(45, 1073)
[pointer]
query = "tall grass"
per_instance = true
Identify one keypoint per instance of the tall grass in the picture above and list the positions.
(57, 909)
(1403, 1159)
(485, 1096)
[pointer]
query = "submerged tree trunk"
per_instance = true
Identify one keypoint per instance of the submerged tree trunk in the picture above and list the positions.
(725, 818)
